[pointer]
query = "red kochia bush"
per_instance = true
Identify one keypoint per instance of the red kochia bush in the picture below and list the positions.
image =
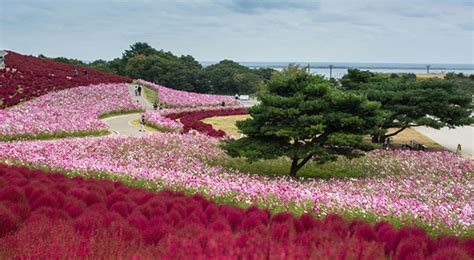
(47, 215)
(191, 120)
(26, 77)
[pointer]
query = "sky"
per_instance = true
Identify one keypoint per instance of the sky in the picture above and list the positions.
(383, 31)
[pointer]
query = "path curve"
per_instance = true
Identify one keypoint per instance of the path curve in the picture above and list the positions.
(122, 124)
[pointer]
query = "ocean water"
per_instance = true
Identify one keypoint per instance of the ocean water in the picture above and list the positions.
(340, 68)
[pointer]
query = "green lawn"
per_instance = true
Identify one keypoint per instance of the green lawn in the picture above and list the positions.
(342, 168)
(53, 135)
(150, 94)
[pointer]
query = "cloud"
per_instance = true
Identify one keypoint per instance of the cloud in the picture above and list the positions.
(467, 26)
(257, 6)
(416, 13)
(330, 30)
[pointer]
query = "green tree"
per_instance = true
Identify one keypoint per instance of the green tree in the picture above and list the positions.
(167, 70)
(117, 66)
(143, 61)
(135, 66)
(192, 73)
(303, 117)
(408, 102)
(138, 48)
(229, 77)
(465, 83)
(265, 74)
(64, 60)
(102, 65)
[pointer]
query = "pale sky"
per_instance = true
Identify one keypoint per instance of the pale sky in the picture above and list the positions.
(386, 31)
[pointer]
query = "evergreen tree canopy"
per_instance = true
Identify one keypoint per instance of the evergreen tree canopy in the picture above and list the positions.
(408, 102)
(138, 48)
(304, 117)
(465, 82)
(229, 77)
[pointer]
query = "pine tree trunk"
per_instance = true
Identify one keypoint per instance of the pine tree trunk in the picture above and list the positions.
(382, 139)
(375, 139)
(378, 139)
(294, 168)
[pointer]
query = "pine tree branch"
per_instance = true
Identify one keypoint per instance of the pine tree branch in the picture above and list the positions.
(305, 160)
(400, 130)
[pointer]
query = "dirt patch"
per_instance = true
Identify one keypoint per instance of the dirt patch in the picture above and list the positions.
(226, 123)
(411, 134)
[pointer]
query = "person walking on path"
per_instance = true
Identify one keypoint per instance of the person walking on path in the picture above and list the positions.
(142, 123)
(139, 90)
(136, 90)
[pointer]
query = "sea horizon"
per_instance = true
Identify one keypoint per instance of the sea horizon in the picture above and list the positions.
(324, 64)
(339, 69)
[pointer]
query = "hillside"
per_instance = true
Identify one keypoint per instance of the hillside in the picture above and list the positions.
(25, 77)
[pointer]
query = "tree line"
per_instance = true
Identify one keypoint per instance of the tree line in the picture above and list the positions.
(226, 77)
(182, 73)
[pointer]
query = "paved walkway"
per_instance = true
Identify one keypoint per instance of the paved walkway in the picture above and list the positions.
(121, 125)
(140, 99)
(450, 138)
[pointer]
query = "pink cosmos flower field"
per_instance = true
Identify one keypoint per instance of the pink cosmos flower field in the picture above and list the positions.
(183, 98)
(433, 189)
(70, 110)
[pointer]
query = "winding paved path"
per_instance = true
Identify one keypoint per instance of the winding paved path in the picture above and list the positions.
(121, 125)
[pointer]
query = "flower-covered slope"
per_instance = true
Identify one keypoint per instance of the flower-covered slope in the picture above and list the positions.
(70, 110)
(26, 77)
(183, 98)
(427, 188)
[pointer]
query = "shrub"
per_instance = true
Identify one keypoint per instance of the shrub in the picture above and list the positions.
(169, 224)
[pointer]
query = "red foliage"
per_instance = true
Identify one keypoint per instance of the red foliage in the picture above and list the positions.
(26, 77)
(47, 215)
(191, 120)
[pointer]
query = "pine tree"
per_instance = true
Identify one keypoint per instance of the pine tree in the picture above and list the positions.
(408, 102)
(304, 117)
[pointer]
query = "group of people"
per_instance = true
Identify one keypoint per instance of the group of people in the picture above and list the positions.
(75, 73)
(138, 90)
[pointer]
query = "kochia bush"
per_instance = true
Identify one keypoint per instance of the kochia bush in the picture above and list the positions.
(26, 77)
(47, 215)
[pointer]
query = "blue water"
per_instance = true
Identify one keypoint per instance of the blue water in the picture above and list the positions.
(340, 68)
